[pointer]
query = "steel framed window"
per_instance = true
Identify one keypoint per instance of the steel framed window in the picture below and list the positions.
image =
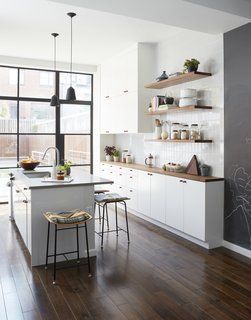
(59, 136)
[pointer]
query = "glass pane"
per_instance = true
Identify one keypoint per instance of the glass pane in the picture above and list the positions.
(8, 151)
(75, 118)
(77, 149)
(76, 169)
(38, 84)
(36, 117)
(80, 82)
(8, 116)
(35, 147)
(8, 81)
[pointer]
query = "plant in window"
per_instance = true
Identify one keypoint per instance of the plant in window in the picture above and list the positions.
(109, 150)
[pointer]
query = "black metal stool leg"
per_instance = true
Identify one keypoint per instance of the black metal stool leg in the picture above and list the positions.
(116, 216)
(107, 219)
(99, 214)
(47, 245)
(87, 250)
(55, 255)
(103, 222)
(127, 227)
(77, 244)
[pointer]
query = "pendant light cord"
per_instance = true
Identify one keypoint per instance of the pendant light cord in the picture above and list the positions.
(71, 53)
(55, 54)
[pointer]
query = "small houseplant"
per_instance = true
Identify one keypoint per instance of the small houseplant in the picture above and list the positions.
(191, 65)
(66, 167)
(109, 152)
(116, 155)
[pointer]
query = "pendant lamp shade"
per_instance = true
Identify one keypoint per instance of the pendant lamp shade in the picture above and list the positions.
(70, 94)
(54, 99)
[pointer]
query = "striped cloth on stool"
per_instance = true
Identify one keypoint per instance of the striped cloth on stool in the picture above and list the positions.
(68, 217)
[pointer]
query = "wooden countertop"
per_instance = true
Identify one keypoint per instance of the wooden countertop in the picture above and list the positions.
(161, 171)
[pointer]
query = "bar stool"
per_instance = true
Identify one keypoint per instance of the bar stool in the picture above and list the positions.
(101, 191)
(103, 200)
(69, 220)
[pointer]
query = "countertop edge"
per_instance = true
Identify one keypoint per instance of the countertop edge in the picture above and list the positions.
(167, 173)
(47, 185)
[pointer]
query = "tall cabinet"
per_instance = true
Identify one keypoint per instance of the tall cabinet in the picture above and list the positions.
(124, 99)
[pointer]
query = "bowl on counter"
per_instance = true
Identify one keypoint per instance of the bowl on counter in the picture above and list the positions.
(29, 165)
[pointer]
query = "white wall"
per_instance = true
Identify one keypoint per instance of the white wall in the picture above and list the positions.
(208, 49)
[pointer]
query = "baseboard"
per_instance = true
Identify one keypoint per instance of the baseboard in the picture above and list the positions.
(237, 249)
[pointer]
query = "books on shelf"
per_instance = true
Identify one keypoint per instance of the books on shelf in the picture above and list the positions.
(158, 103)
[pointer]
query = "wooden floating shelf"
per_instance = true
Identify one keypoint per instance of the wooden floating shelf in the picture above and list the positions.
(173, 81)
(179, 141)
(179, 109)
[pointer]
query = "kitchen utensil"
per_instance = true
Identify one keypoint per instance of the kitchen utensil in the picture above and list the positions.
(149, 160)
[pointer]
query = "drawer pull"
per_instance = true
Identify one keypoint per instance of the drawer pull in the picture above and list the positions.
(107, 131)
(184, 181)
(130, 190)
(17, 191)
(25, 201)
(130, 177)
(125, 130)
(107, 97)
(125, 91)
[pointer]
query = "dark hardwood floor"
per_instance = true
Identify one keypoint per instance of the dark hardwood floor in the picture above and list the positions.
(158, 276)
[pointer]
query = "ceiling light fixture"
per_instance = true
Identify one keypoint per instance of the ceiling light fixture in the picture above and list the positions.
(71, 95)
(54, 99)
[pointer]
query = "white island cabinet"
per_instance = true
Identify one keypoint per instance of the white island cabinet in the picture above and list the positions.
(34, 197)
(189, 208)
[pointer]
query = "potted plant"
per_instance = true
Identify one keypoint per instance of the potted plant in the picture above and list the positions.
(191, 65)
(116, 154)
(109, 152)
(67, 166)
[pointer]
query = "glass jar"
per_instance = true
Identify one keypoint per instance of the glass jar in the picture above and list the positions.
(183, 135)
(176, 126)
(194, 131)
(175, 135)
(186, 127)
(124, 154)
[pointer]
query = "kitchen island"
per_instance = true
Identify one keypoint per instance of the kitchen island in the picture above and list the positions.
(32, 196)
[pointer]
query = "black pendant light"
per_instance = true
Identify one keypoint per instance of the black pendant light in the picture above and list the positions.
(54, 99)
(70, 95)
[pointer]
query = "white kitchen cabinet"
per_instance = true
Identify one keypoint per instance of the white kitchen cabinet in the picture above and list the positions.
(194, 208)
(158, 182)
(124, 99)
(144, 190)
(174, 202)
(191, 207)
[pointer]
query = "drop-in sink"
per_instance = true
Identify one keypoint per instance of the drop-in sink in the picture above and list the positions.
(37, 174)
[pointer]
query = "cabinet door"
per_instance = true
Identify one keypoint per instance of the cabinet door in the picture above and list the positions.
(144, 191)
(194, 209)
(158, 197)
(129, 112)
(132, 194)
(20, 214)
(131, 70)
(174, 202)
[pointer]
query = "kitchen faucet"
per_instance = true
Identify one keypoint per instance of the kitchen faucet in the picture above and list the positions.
(55, 163)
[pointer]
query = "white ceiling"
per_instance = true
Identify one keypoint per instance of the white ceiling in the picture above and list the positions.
(25, 26)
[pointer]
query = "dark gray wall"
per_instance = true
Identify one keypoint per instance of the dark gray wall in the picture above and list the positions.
(237, 128)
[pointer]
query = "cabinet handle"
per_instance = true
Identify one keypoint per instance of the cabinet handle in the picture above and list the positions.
(17, 191)
(181, 180)
(125, 130)
(184, 181)
(130, 177)
(125, 91)
(120, 187)
(25, 188)
(120, 174)
(130, 190)
(107, 131)
(107, 97)
(25, 201)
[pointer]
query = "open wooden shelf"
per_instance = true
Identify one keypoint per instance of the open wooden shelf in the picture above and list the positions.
(173, 81)
(179, 109)
(180, 141)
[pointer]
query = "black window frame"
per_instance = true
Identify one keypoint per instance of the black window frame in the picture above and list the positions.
(59, 137)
